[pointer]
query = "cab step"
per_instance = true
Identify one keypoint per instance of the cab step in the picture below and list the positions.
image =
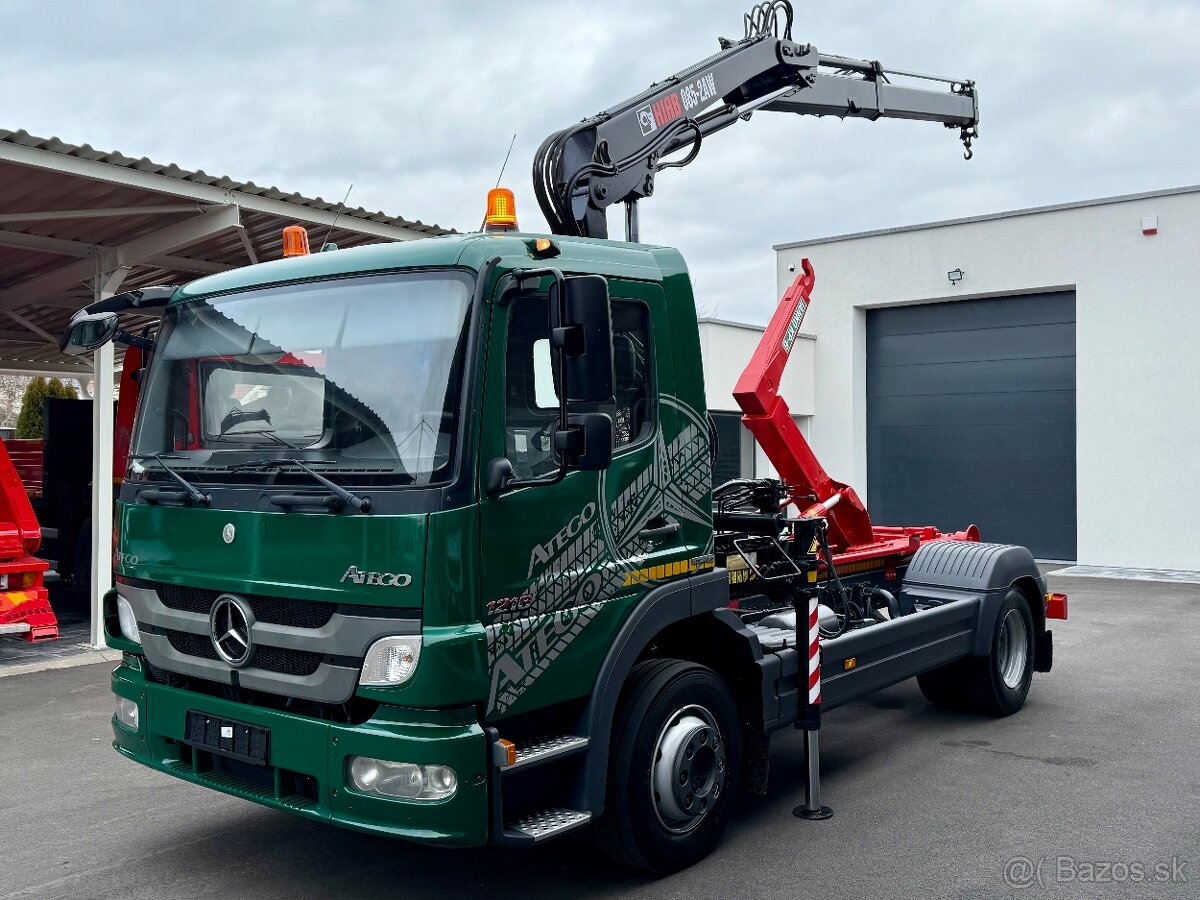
(541, 826)
(544, 750)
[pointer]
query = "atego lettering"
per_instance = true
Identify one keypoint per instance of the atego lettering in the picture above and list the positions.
(543, 553)
(381, 579)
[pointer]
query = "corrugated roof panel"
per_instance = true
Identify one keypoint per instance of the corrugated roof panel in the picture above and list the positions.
(85, 151)
(39, 187)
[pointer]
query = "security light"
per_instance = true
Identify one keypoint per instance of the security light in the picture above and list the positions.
(955, 275)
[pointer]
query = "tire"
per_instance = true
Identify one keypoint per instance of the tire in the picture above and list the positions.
(996, 684)
(677, 721)
(944, 686)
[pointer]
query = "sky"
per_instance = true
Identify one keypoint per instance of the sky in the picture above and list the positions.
(414, 103)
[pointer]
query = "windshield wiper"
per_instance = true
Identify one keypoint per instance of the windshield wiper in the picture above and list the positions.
(362, 504)
(193, 493)
(265, 432)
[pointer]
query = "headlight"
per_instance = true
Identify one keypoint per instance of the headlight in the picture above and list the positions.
(391, 661)
(401, 780)
(127, 713)
(127, 620)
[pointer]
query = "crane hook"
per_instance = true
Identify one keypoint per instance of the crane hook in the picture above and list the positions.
(968, 134)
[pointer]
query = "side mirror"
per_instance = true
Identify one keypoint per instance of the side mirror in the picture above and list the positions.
(586, 443)
(583, 331)
(87, 332)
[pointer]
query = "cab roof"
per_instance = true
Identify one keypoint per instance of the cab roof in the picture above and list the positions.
(641, 262)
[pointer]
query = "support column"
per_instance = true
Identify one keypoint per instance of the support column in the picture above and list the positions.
(108, 282)
(102, 486)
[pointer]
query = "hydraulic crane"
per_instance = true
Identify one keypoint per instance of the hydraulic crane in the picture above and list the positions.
(614, 156)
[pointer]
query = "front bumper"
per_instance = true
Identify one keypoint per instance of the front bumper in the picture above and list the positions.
(306, 770)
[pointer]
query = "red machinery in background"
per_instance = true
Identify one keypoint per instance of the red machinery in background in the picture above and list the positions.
(24, 601)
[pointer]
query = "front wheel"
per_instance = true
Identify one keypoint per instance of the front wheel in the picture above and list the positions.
(676, 761)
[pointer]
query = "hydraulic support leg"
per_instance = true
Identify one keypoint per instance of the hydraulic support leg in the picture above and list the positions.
(810, 719)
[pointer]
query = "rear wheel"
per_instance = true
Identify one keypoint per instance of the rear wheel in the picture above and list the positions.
(996, 684)
(676, 760)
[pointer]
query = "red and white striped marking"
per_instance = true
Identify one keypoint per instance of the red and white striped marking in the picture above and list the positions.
(814, 654)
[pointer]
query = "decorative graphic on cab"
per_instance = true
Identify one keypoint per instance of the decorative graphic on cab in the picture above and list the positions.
(593, 555)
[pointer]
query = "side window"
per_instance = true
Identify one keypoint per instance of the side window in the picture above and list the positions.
(531, 403)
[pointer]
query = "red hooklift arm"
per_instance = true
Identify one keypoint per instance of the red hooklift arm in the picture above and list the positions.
(766, 414)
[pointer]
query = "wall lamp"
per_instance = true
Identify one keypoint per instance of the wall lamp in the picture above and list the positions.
(955, 275)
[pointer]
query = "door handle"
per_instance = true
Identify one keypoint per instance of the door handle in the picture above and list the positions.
(659, 532)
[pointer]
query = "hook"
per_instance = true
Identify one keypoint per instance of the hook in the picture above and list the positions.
(967, 134)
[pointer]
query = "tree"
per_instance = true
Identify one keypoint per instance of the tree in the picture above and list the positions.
(12, 388)
(31, 419)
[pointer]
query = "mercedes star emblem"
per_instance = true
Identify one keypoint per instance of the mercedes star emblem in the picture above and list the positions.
(229, 625)
(228, 533)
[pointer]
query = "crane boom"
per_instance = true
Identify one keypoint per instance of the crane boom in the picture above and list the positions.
(614, 156)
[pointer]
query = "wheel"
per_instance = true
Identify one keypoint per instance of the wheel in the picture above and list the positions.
(996, 684)
(675, 764)
(944, 686)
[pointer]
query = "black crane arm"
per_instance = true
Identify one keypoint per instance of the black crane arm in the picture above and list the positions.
(613, 157)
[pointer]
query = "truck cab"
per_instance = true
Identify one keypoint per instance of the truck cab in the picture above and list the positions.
(357, 664)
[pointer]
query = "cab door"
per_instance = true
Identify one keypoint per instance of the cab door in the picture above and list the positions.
(562, 564)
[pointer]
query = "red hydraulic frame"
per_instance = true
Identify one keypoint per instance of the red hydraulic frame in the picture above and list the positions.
(852, 536)
(24, 601)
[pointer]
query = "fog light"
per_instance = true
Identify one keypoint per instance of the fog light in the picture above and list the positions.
(391, 661)
(127, 620)
(401, 780)
(127, 713)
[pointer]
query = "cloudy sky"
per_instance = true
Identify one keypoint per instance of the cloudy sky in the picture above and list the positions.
(415, 102)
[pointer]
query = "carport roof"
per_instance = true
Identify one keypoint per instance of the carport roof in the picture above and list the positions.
(75, 221)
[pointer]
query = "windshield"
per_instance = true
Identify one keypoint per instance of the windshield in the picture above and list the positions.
(359, 375)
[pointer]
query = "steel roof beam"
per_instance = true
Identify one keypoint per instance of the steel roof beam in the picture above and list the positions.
(36, 329)
(21, 337)
(80, 250)
(135, 252)
(102, 213)
(18, 367)
(44, 244)
(112, 173)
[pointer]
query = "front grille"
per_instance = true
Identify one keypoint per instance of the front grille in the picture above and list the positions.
(272, 659)
(273, 610)
(286, 662)
(192, 644)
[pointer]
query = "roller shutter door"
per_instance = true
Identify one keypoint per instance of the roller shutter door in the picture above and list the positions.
(971, 418)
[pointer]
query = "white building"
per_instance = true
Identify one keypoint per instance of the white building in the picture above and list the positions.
(1034, 371)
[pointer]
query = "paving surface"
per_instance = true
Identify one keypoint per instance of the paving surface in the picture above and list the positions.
(1096, 777)
(74, 644)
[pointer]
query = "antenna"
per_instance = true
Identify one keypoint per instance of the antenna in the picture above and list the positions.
(503, 166)
(325, 243)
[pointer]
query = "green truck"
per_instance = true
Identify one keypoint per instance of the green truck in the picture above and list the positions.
(420, 539)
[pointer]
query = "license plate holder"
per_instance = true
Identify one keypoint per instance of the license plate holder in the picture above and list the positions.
(228, 737)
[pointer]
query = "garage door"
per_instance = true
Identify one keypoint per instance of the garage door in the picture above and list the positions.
(971, 418)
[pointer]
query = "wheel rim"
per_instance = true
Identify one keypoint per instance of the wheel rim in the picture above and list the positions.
(688, 774)
(1013, 650)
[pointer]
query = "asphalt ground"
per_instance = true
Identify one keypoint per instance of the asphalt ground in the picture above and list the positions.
(1094, 784)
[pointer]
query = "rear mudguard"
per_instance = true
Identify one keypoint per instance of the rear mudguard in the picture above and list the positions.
(944, 571)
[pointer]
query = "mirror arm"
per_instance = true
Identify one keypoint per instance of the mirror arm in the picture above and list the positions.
(142, 298)
(121, 336)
